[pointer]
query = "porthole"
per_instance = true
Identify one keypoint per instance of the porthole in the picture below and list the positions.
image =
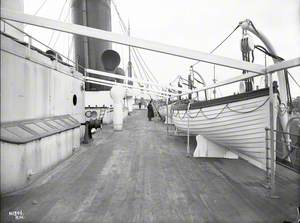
(74, 100)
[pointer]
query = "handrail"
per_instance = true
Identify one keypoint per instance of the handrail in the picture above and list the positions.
(278, 66)
(278, 131)
(130, 41)
(76, 64)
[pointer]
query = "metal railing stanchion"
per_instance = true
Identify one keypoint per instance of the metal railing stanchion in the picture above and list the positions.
(267, 158)
(167, 102)
(28, 50)
(188, 154)
(272, 146)
(56, 61)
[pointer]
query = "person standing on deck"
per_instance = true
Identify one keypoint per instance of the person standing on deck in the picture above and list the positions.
(150, 110)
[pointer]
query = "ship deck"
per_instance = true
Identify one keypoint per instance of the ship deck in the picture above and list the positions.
(142, 175)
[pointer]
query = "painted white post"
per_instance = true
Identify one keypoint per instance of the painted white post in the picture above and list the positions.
(188, 153)
(272, 138)
(28, 49)
(117, 93)
(167, 120)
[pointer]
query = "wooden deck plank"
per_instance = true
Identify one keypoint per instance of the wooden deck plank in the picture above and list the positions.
(143, 175)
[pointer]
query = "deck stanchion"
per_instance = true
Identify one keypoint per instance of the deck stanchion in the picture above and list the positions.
(28, 51)
(272, 146)
(167, 100)
(77, 63)
(267, 158)
(188, 131)
(56, 58)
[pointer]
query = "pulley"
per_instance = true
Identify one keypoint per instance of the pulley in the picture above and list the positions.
(247, 43)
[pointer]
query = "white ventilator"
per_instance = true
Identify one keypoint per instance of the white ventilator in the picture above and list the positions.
(117, 93)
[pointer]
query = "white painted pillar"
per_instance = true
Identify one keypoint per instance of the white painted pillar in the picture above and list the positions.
(117, 93)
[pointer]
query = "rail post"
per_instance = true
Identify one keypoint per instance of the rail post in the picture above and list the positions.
(77, 63)
(167, 100)
(56, 60)
(267, 158)
(188, 154)
(28, 50)
(272, 140)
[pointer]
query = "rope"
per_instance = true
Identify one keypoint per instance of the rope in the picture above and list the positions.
(265, 51)
(205, 116)
(178, 114)
(219, 43)
(195, 115)
(253, 110)
(221, 111)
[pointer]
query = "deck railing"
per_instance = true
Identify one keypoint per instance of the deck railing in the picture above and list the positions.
(30, 46)
(291, 159)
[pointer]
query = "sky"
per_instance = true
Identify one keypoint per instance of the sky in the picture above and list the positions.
(194, 24)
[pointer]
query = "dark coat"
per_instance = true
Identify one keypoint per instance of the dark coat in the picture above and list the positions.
(150, 111)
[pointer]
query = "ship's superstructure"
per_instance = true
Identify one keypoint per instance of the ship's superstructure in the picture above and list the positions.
(42, 108)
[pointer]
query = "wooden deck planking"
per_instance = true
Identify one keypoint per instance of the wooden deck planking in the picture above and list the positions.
(143, 175)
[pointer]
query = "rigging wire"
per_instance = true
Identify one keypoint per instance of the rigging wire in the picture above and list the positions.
(138, 68)
(58, 36)
(218, 47)
(145, 71)
(142, 67)
(150, 72)
(135, 61)
(41, 6)
(294, 79)
(138, 55)
(219, 44)
(138, 61)
(60, 15)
